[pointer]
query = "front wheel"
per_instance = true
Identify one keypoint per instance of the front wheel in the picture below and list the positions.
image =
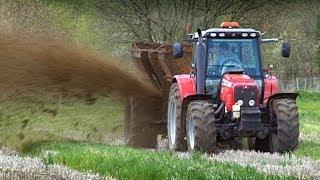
(286, 139)
(201, 132)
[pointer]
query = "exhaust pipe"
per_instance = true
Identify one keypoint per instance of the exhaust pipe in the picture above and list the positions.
(201, 64)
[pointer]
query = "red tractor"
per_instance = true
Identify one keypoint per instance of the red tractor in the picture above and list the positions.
(228, 96)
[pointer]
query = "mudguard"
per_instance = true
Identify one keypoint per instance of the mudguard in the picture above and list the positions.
(271, 87)
(292, 96)
(186, 84)
(193, 97)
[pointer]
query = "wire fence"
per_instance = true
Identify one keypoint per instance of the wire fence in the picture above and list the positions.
(300, 84)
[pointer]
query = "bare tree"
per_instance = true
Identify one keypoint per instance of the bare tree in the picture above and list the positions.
(164, 20)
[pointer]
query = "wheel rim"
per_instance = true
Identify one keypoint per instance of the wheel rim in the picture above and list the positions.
(191, 134)
(172, 127)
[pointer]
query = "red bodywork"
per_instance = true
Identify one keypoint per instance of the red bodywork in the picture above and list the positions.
(229, 82)
(270, 87)
(187, 87)
(187, 84)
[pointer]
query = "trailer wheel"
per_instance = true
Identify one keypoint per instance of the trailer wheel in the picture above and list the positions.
(201, 132)
(286, 139)
(176, 132)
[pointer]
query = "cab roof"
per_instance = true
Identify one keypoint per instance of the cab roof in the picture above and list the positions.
(231, 30)
(207, 33)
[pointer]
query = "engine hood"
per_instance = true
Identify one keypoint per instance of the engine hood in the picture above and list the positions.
(231, 84)
(231, 80)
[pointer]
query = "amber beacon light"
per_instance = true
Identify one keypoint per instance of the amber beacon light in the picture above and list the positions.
(230, 25)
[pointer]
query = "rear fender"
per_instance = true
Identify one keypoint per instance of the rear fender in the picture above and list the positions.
(186, 84)
(292, 96)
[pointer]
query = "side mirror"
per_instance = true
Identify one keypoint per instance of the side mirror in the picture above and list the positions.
(177, 50)
(286, 49)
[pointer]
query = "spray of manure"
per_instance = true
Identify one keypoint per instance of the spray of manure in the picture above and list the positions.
(29, 64)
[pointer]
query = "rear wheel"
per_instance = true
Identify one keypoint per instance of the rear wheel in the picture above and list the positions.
(176, 133)
(286, 139)
(201, 133)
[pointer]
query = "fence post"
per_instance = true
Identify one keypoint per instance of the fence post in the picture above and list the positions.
(305, 83)
(297, 84)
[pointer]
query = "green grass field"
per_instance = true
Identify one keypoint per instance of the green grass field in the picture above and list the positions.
(309, 112)
(24, 120)
(38, 125)
(309, 104)
(129, 163)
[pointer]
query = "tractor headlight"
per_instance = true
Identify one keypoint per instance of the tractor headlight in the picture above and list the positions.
(213, 34)
(245, 34)
(240, 102)
(253, 34)
(252, 102)
(222, 34)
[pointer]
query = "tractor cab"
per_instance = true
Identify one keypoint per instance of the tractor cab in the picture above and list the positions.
(232, 50)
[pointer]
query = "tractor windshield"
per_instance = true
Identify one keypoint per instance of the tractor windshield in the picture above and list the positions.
(225, 55)
(233, 54)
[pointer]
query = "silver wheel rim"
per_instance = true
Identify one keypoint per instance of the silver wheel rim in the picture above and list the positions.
(172, 127)
(191, 134)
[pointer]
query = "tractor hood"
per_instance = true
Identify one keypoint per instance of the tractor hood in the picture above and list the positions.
(238, 79)
(232, 68)
(235, 87)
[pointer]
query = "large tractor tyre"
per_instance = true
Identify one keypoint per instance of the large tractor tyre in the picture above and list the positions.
(286, 139)
(143, 131)
(201, 132)
(176, 133)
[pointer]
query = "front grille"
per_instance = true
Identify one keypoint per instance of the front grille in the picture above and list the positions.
(245, 93)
